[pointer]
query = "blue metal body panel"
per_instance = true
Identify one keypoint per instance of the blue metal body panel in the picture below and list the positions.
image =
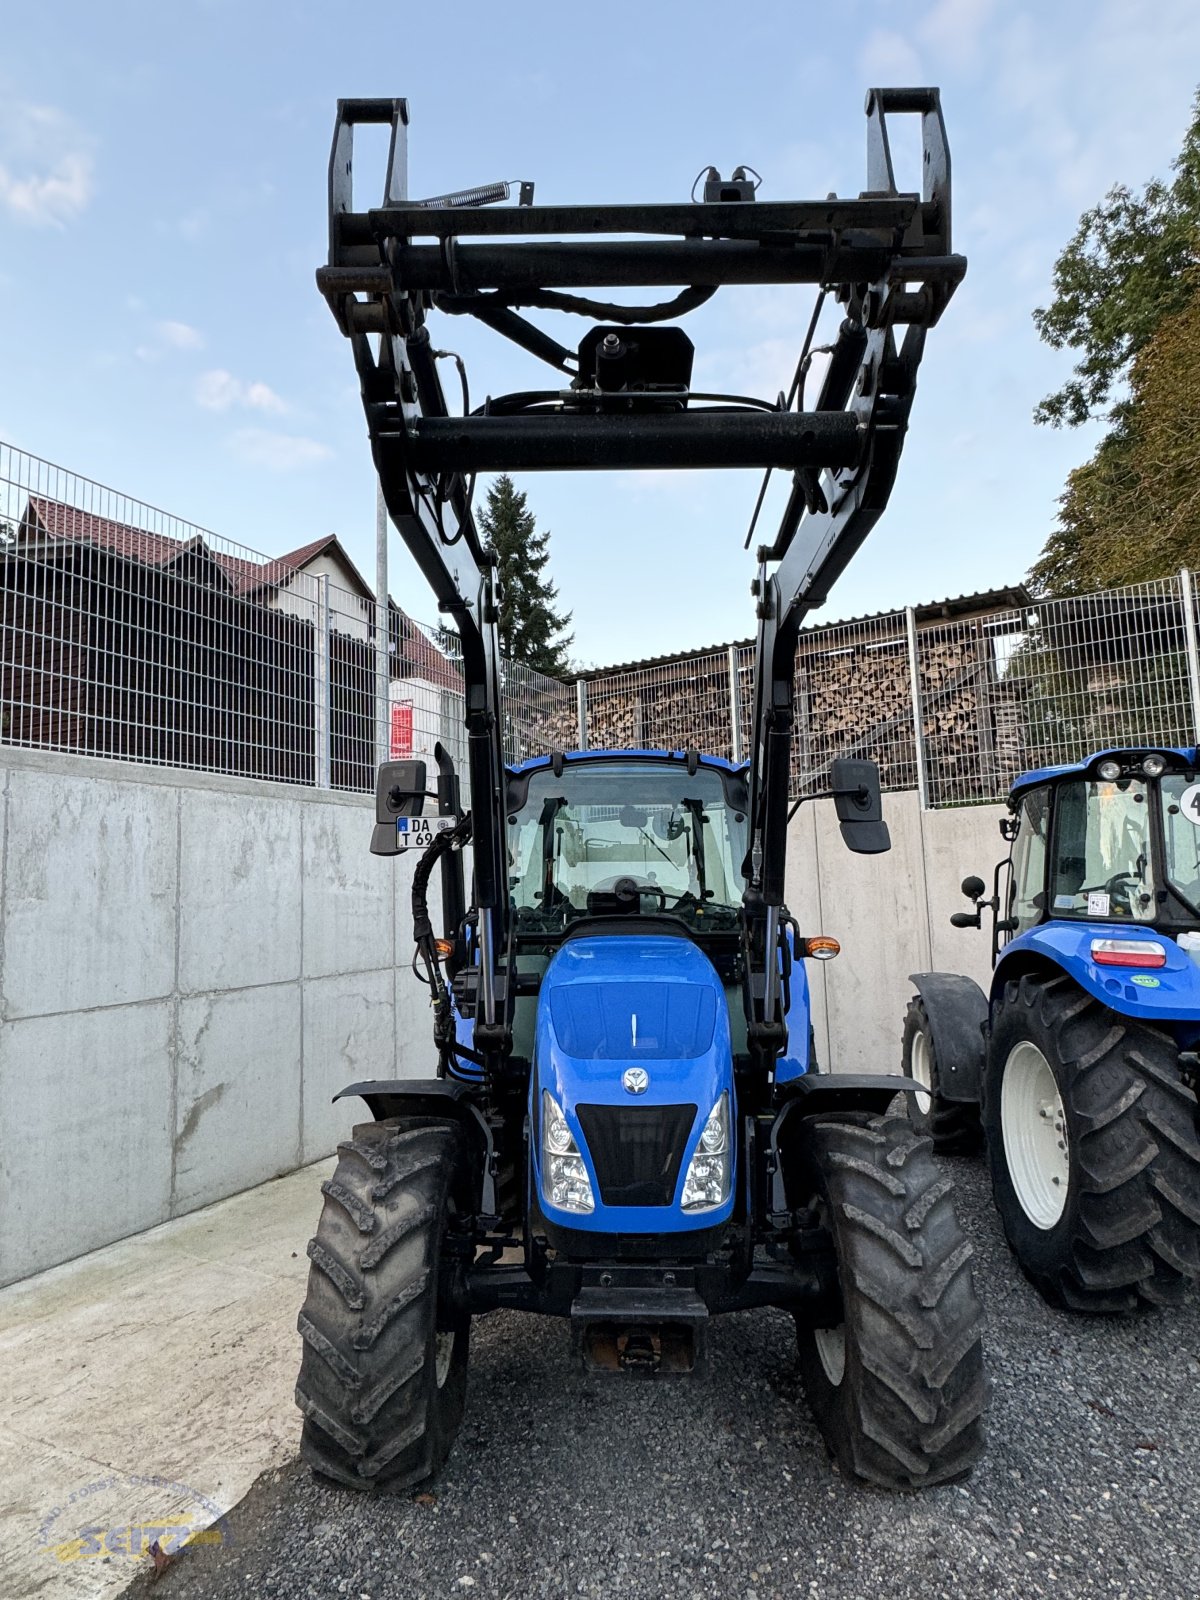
(584, 1043)
(1030, 780)
(1168, 996)
(795, 1062)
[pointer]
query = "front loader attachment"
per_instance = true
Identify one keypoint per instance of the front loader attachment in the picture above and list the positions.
(622, 397)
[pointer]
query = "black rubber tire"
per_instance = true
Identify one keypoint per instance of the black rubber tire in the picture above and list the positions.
(375, 1416)
(1129, 1233)
(908, 1411)
(953, 1125)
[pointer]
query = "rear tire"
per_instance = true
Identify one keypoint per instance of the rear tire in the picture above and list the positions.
(383, 1373)
(1121, 1227)
(899, 1390)
(953, 1125)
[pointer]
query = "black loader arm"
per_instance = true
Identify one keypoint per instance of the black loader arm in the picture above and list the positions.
(623, 398)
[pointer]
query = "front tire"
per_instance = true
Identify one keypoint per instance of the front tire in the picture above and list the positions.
(898, 1391)
(1093, 1149)
(383, 1372)
(953, 1125)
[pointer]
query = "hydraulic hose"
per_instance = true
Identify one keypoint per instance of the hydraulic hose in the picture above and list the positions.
(426, 952)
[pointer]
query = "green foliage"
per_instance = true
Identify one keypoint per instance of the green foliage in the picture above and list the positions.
(1124, 270)
(530, 628)
(1128, 299)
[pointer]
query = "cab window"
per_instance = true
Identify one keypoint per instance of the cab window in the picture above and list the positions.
(1102, 866)
(1029, 859)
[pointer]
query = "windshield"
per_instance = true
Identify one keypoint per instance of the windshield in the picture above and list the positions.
(629, 827)
(1102, 854)
(1179, 797)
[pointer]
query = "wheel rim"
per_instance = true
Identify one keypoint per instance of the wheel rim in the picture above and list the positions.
(831, 1349)
(921, 1068)
(443, 1354)
(1033, 1127)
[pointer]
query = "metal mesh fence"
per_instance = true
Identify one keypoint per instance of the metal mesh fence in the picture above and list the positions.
(129, 633)
(1050, 684)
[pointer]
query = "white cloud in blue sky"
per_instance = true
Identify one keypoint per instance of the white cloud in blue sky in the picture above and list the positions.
(162, 212)
(45, 165)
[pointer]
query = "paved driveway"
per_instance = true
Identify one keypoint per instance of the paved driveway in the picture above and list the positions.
(634, 1489)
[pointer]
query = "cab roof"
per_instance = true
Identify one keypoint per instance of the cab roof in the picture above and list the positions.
(1177, 756)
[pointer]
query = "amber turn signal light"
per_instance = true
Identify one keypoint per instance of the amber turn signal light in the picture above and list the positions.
(444, 947)
(821, 947)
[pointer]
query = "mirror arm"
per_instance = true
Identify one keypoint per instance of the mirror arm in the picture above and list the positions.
(860, 794)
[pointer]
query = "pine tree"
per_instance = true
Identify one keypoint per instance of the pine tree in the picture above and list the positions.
(530, 628)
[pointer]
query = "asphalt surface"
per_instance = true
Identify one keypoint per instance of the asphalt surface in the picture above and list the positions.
(635, 1488)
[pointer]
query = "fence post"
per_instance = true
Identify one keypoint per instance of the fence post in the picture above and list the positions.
(914, 678)
(735, 706)
(322, 685)
(1193, 651)
(581, 711)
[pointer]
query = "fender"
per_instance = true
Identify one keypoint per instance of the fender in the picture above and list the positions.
(957, 1009)
(434, 1097)
(1168, 995)
(819, 1094)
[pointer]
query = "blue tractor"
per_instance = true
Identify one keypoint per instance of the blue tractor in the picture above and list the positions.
(1079, 1069)
(620, 1121)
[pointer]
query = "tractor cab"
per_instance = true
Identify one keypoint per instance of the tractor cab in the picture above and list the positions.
(1114, 840)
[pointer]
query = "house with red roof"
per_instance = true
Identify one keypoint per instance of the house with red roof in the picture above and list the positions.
(121, 639)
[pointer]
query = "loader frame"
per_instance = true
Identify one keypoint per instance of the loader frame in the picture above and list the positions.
(884, 255)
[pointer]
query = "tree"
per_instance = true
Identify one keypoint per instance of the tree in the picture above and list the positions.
(1132, 512)
(1127, 297)
(530, 628)
(1125, 269)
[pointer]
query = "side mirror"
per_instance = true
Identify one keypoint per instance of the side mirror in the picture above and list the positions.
(399, 792)
(856, 798)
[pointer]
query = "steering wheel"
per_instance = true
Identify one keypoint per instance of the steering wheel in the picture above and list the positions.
(629, 891)
(1117, 887)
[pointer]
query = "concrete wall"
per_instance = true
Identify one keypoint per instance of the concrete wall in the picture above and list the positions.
(190, 967)
(892, 915)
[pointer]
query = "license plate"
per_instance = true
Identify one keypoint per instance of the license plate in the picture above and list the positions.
(414, 833)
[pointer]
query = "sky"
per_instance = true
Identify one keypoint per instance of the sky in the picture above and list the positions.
(163, 212)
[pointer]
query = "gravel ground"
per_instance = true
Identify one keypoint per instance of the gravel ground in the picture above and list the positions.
(632, 1488)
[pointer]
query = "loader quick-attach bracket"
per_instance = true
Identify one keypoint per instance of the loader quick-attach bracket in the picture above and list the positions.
(623, 398)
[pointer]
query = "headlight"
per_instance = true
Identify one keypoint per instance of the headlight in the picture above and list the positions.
(1154, 766)
(565, 1183)
(708, 1175)
(1109, 771)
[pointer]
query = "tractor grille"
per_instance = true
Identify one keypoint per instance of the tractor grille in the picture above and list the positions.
(637, 1150)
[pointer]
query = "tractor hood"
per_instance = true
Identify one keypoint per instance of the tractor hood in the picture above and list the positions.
(633, 1044)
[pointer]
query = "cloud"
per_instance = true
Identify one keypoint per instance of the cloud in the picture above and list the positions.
(167, 336)
(45, 166)
(180, 335)
(221, 391)
(888, 58)
(278, 452)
